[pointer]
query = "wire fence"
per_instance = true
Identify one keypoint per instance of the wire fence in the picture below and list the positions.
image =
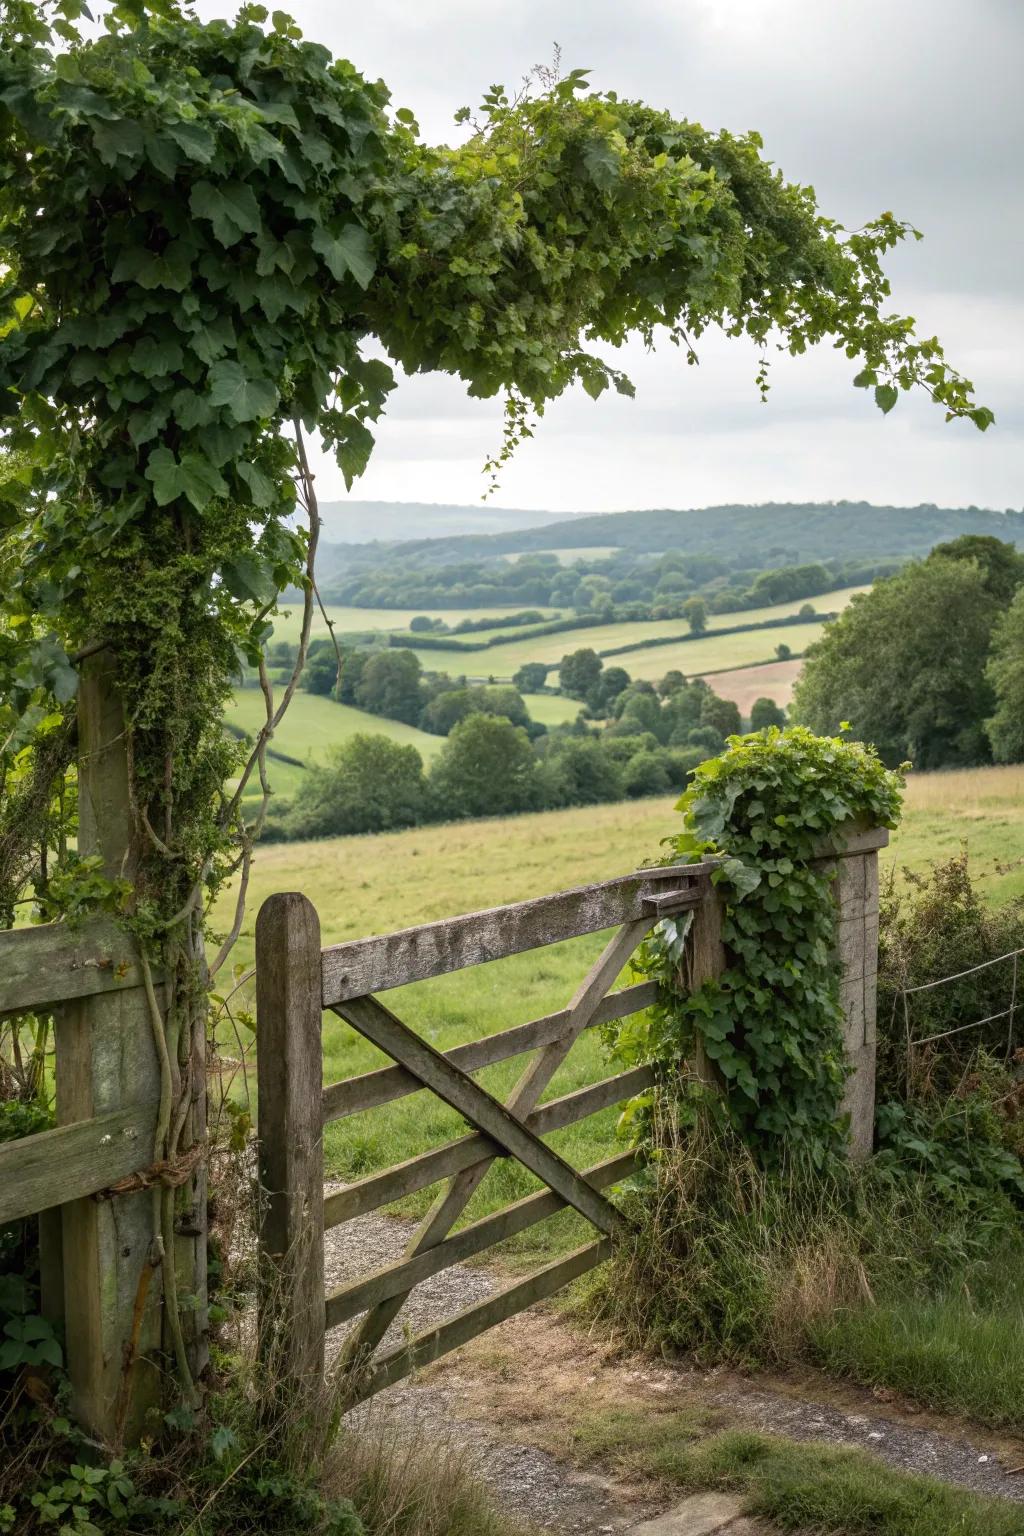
(903, 997)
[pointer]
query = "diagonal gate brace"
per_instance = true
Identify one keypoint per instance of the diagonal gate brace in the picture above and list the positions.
(379, 1025)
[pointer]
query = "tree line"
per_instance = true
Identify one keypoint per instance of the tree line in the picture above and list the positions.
(615, 584)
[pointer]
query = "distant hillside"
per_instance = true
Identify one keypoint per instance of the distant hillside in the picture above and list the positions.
(364, 522)
(769, 534)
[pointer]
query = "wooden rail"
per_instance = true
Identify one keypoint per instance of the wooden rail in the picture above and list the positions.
(43, 967)
(362, 966)
(74, 1160)
(427, 1168)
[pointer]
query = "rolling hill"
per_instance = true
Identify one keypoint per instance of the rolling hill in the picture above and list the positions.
(771, 534)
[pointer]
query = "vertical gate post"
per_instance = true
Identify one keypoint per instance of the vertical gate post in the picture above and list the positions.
(289, 1062)
(705, 960)
(106, 1059)
(853, 859)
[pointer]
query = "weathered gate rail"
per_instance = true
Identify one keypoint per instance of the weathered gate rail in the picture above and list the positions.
(42, 969)
(297, 981)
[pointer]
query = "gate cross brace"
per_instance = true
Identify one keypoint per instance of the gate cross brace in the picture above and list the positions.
(379, 1025)
(450, 1204)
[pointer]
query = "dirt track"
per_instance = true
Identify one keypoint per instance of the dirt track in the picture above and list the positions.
(505, 1396)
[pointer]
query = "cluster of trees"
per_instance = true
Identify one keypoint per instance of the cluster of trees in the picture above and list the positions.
(393, 684)
(497, 762)
(929, 665)
(618, 584)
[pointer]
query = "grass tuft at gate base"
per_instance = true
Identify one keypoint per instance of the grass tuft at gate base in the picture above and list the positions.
(771, 1023)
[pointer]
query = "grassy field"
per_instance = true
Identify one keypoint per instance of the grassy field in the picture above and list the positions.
(706, 653)
(552, 708)
(314, 724)
(771, 680)
(344, 618)
(311, 727)
(371, 885)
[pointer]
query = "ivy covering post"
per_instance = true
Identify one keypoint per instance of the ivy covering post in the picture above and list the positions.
(204, 227)
(798, 923)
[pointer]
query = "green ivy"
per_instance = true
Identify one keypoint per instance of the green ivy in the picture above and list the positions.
(771, 1025)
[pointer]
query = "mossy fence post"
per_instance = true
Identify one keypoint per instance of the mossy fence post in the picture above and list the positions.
(105, 1060)
(852, 857)
(106, 1264)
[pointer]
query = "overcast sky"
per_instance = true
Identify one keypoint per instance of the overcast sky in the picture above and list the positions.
(909, 105)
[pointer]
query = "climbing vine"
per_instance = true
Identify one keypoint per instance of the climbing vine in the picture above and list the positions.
(771, 1024)
(207, 231)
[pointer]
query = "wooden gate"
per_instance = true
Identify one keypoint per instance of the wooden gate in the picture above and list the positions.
(296, 981)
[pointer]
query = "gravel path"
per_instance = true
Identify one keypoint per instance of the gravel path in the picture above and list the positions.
(482, 1386)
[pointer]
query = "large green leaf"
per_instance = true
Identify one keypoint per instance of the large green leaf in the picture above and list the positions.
(603, 164)
(172, 269)
(154, 359)
(261, 487)
(247, 398)
(346, 249)
(230, 206)
(886, 396)
(249, 577)
(194, 139)
(121, 139)
(192, 476)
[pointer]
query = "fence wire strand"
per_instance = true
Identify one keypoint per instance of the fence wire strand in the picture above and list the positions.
(905, 993)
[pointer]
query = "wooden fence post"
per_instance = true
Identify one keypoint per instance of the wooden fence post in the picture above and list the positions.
(289, 1062)
(853, 858)
(704, 961)
(106, 1060)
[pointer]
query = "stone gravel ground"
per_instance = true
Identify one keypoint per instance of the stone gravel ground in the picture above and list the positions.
(490, 1392)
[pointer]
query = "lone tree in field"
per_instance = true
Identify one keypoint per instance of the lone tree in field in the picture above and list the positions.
(204, 231)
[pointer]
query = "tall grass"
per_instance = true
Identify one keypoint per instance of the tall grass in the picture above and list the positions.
(867, 1275)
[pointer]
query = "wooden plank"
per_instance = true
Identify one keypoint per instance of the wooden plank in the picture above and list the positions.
(73, 1161)
(434, 1342)
(371, 1089)
(395, 1279)
(427, 1168)
(588, 1101)
(376, 964)
(55, 963)
(289, 1059)
(539, 1072)
(492, 1117)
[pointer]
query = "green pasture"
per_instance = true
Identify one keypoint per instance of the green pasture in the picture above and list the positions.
(708, 653)
(397, 620)
(552, 708)
(347, 619)
(312, 726)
